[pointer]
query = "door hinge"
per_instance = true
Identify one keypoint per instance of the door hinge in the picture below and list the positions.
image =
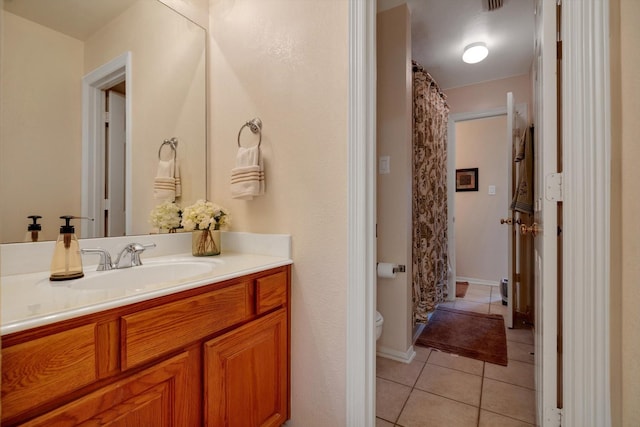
(106, 204)
(559, 344)
(553, 187)
(106, 117)
(553, 417)
(559, 50)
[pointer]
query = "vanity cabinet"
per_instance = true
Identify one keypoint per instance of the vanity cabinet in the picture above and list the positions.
(217, 356)
(245, 375)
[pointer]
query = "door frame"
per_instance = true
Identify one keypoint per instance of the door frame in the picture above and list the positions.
(361, 189)
(586, 134)
(93, 141)
(587, 152)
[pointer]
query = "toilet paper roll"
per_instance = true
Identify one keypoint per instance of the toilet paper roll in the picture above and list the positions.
(385, 270)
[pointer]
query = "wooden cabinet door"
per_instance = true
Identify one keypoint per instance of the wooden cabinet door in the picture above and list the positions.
(156, 397)
(246, 376)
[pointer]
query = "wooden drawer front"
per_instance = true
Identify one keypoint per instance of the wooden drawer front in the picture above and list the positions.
(156, 331)
(43, 369)
(271, 292)
(149, 398)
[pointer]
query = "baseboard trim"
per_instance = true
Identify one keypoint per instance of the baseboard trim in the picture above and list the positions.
(398, 356)
(478, 281)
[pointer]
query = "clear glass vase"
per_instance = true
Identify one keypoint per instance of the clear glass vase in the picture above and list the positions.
(205, 242)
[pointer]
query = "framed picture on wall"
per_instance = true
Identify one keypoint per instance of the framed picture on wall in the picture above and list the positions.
(467, 179)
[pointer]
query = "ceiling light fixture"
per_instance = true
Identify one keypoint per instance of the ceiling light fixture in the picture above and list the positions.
(475, 53)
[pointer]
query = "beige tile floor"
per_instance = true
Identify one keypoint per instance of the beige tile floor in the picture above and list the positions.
(441, 389)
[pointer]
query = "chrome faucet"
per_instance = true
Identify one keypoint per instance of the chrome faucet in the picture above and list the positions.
(105, 258)
(128, 257)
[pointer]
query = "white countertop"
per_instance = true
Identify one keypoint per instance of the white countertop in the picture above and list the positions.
(29, 299)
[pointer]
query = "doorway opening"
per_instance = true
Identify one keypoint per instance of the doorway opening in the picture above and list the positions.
(106, 148)
(491, 201)
(588, 155)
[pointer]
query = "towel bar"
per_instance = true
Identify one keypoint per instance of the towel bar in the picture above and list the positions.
(173, 143)
(256, 127)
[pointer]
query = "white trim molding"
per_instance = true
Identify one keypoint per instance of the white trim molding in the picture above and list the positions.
(586, 229)
(361, 294)
(476, 281)
(398, 356)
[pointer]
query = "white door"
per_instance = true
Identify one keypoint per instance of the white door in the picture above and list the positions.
(114, 207)
(510, 218)
(516, 126)
(545, 215)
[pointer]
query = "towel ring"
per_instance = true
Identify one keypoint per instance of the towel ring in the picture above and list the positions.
(256, 127)
(173, 143)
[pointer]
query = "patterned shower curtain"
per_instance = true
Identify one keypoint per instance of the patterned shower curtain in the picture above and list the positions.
(430, 264)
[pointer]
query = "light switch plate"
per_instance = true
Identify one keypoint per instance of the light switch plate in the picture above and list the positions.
(492, 190)
(384, 165)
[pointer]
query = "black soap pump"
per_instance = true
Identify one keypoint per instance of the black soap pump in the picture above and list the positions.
(67, 261)
(34, 229)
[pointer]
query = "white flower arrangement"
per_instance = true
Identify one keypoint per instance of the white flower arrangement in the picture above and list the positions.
(203, 215)
(165, 216)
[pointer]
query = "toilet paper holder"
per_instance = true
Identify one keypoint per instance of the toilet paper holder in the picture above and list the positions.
(399, 269)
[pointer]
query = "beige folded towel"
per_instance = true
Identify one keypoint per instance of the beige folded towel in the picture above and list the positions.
(523, 195)
(247, 178)
(167, 184)
(520, 147)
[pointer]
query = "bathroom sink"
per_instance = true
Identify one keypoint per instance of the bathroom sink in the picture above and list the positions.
(139, 277)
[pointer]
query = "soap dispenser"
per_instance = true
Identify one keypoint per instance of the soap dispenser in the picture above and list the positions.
(67, 261)
(34, 229)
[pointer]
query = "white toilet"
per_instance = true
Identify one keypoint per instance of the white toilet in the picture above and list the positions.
(379, 322)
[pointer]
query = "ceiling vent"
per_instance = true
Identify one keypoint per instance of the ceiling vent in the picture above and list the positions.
(492, 5)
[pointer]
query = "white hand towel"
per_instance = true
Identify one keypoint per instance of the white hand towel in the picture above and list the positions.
(247, 178)
(164, 185)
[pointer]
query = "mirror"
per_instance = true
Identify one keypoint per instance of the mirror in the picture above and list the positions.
(52, 162)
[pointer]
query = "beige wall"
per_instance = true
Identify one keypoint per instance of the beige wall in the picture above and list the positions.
(286, 61)
(489, 95)
(41, 141)
(168, 96)
(630, 176)
(481, 241)
(394, 194)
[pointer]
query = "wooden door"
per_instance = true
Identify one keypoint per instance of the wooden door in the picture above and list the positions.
(246, 375)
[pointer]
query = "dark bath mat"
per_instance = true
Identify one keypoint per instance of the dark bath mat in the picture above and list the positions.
(475, 335)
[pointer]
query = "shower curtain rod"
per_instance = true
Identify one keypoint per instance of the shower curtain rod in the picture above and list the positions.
(432, 82)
